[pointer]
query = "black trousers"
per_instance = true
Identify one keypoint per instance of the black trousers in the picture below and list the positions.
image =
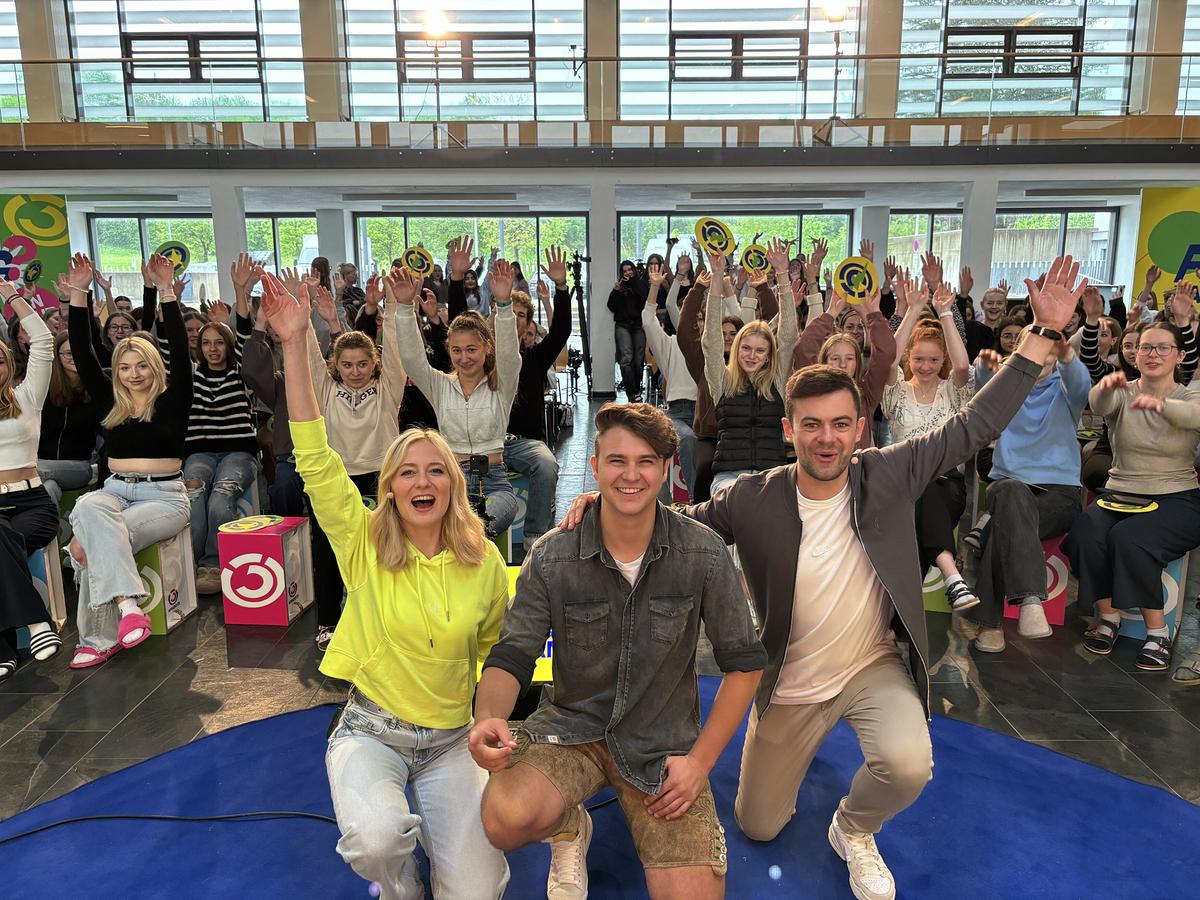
(702, 458)
(28, 522)
(327, 577)
(1011, 564)
(937, 513)
(1121, 555)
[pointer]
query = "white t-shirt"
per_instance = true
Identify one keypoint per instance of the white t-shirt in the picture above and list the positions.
(841, 614)
(630, 569)
(908, 418)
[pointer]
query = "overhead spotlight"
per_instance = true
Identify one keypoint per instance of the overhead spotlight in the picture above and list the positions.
(436, 23)
(835, 11)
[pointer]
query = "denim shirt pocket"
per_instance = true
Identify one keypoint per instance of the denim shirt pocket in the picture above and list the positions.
(669, 616)
(587, 623)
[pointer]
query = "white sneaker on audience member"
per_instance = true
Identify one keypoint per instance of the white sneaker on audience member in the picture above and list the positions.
(1032, 623)
(568, 878)
(870, 878)
(990, 639)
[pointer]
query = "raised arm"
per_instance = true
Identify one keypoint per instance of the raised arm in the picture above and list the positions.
(258, 362)
(711, 340)
(917, 298)
(401, 288)
(559, 330)
(943, 303)
(79, 327)
(508, 345)
(789, 328)
(883, 354)
(458, 260)
(32, 391)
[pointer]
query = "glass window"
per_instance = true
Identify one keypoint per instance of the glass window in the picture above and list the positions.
(380, 240)
(117, 243)
(774, 60)
(832, 227)
(297, 240)
(1026, 243)
(1189, 75)
(947, 243)
(260, 242)
(643, 235)
(195, 233)
(1090, 237)
(12, 77)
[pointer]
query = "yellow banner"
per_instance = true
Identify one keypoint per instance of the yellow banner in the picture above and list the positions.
(1168, 236)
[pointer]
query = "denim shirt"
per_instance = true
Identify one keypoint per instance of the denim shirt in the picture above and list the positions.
(625, 657)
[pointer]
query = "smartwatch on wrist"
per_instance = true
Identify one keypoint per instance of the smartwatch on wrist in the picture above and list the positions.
(1048, 333)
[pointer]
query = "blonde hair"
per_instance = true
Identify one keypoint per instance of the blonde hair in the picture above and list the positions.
(462, 529)
(736, 380)
(842, 337)
(124, 408)
(10, 407)
(473, 321)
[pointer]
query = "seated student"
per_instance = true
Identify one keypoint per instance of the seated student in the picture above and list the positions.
(427, 592)
(1034, 495)
(222, 440)
(472, 403)
(1118, 557)
(144, 500)
(747, 389)
(826, 343)
(630, 556)
(1104, 348)
(28, 516)
(70, 425)
(525, 448)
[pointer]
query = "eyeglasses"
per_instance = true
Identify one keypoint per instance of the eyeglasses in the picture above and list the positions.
(1010, 338)
(1156, 349)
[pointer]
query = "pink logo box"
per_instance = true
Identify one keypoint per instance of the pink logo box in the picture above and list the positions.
(266, 569)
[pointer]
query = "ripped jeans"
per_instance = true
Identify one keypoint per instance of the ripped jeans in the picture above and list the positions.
(223, 478)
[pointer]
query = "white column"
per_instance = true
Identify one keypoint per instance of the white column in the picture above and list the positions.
(872, 225)
(77, 229)
(1129, 216)
(602, 245)
(333, 236)
(979, 226)
(229, 229)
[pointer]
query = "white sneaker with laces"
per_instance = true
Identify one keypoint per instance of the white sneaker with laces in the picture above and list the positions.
(568, 878)
(1032, 622)
(870, 878)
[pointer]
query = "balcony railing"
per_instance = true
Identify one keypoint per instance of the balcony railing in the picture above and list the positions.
(601, 102)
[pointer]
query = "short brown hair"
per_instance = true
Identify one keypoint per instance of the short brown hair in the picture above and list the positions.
(648, 422)
(817, 381)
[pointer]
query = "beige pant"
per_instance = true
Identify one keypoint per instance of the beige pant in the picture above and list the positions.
(882, 706)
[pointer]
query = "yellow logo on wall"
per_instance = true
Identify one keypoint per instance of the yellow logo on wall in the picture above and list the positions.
(42, 217)
(1168, 236)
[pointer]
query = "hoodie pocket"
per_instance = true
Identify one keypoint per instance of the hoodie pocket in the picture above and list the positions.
(418, 688)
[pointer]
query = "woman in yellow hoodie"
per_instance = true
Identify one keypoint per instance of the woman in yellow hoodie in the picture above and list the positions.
(427, 592)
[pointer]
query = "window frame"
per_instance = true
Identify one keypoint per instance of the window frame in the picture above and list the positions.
(737, 61)
(464, 60)
(1064, 213)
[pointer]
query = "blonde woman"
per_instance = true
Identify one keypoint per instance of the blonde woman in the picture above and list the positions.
(28, 517)
(427, 592)
(747, 391)
(144, 500)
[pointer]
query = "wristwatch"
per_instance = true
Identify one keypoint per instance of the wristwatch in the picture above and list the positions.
(1045, 332)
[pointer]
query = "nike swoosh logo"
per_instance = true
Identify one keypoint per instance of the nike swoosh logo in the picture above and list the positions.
(822, 551)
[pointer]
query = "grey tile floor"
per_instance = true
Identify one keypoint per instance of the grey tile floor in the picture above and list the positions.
(60, 729)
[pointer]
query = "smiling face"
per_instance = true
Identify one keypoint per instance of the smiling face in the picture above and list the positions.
(855, 327)
(67, 358)
(470, 280)
(118, 329)
(54, 321)
(194, 326)
(124, 304)
(627, 272)
(356, 367)
(213, 349)
(421, 487)
(1158, 353)
(468, 353)
(925, 360)
(843, 356)
(1010, 336)
(993, 307)
(135, 373)
(754, 352)
(628, 471)
(824, 430)
(1104, 338)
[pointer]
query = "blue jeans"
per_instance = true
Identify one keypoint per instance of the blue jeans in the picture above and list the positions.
(60, 475)
(501, 503)
(723, 478)
(223, 478)
(683, 413)
(375, 763)
(112, 524)
(533, 458)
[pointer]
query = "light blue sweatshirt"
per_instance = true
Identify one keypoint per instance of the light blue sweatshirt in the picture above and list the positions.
(1040, 446)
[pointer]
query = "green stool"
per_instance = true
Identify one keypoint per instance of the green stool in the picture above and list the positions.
(168, 573)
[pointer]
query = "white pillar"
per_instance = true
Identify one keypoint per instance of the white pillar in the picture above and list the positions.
(77, 229)
(872, 225)
(333, 236)
(602, 244)
(979, 227)
(229, 229)
(1129, 216)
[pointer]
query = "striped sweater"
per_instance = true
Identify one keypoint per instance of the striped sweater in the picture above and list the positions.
(222, 419)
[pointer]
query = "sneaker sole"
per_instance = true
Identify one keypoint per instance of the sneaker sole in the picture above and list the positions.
(1049, 632)
(992, 649)
(962, 607)
(1161, 668)
(1090, 649)
(854, 889)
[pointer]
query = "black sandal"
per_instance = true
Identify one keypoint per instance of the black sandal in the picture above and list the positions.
(960, 597)
(1099, 639)
(6, 669)
(1155, 655)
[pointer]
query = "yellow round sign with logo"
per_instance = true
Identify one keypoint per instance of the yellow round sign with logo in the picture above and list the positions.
(250, 523)
(177, 253)
(33, 271)
(856, 279)
(754, 259)
(1119, 506)
(715, 237)
(418, 261)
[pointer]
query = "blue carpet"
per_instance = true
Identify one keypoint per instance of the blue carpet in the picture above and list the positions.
(1001, 818)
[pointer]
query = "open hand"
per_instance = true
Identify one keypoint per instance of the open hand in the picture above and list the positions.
(1054, 302)
(218, 311)
(80, 272)
(500, 280)
(242, 271)
(401, 286)
(288, 315)
(325, 308)
(965, 281)
(556, 266)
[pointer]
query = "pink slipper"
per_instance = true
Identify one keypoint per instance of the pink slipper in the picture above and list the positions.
(92, 656)
(132, 622)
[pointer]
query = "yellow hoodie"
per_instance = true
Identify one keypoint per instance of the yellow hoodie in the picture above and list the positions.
(410, 640)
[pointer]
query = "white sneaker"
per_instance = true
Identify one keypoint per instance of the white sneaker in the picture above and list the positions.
(870, 878)
(208, 580)
(990, 639)
(1032, 623)
(568, 878)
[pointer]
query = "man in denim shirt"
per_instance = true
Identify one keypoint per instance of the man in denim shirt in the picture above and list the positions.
(625, 595)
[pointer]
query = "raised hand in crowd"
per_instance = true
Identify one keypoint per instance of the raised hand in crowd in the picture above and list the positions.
(1004, 286)
(1054, 301)
(218, 311)
(1181, 305)
(79, 277)
(828, 281)
(429, 305)
(931, 268)
(500, 280)
(837, 304)
(372, 294)
(244, 274)
(401, 286)
(1153, 274)
(459, 257)
(1093, 305)
(339, 283)
(556, 266)
(704, 278)
(943, 298)
(105, 284)
(866, 249)
(162, 276)
(777, 256)
(871, 303)
(655, 276)
(543, 292)
(990, 359)
(290, 278)
(820, 249)
(179, 284)
(965, 281)
(890, 271)
(288, 314)
(324, 302)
